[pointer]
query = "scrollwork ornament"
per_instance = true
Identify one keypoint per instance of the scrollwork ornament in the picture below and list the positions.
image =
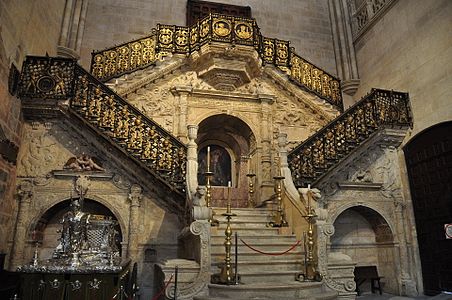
(350, 285)
(328, 229)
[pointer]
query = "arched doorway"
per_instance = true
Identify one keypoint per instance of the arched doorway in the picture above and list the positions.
(364, 235)
(47, 230)
(230, 141)
(429, 164)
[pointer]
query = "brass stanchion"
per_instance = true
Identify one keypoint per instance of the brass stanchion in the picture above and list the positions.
(278, 219)
(226, 275)
(209, 174)
(251, 202)
(310, 274)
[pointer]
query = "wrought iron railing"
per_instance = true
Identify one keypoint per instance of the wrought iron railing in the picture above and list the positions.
(166, 39)
(315, 156)
(58, 78)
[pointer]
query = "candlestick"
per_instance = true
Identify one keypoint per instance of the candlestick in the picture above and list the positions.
(208, 159)
(229, 198)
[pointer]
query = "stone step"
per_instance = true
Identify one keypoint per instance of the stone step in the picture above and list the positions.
(239, 224)
(291, 264)
(265, 290)
(271, 246)
(244, 218)
(219, 256)
(248, 231)
(244, 211)
(219, 237)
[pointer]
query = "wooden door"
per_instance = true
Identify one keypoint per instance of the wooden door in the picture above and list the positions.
(429, 163)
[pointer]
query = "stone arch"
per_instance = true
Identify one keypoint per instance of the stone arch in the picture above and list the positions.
(364, 234)
(232, 134)
(202, 117)
(333, 215)
(44, 225)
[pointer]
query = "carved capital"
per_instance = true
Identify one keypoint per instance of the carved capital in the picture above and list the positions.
(192, 132)
(135, 195)
(25, 191)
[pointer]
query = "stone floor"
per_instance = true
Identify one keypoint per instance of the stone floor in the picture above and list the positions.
(370, 296)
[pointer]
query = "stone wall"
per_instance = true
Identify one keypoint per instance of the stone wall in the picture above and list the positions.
(409, 50)
(305, 23)
(28, 27)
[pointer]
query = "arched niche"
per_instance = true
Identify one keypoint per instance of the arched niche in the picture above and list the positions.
(231, 141)
(46, 230)
(364, 235)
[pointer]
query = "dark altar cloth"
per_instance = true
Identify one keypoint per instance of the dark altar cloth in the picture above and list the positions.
(73, 285)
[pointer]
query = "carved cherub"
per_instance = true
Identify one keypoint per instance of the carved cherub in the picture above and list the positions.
(83, 163)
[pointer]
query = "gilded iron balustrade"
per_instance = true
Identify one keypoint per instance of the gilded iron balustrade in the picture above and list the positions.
(166, 39)
(140, 137)
(314, 157)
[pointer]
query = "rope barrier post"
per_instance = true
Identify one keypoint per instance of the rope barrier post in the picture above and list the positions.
(176, 271)
(236, 281)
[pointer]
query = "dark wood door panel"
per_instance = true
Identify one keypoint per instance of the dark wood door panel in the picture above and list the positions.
(429, 163)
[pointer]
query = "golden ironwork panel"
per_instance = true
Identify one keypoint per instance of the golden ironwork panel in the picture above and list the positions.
(205, 29)
(194, 37)
(44, 77)
(282, 53)
(181, 39)
(339, 138)
(165, 37)
(268, 50)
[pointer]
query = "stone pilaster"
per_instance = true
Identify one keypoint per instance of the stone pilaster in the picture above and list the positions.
(72, 28)
(181, 93)
(407, 285)
(266, 150)
(134, 198)
(346, 64)
(25, 196)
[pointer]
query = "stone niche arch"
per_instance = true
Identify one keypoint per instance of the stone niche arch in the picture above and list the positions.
(45, 229)
(236, 139)
(364, 234)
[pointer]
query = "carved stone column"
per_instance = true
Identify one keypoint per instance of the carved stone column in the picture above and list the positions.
(182, 93)
(135, 197)
(344, 49)
(72, 28)
(266, 151)
(25, 196)
(192, 160)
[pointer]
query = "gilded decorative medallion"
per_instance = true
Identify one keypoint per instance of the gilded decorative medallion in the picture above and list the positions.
(243, 31)
(222, 28)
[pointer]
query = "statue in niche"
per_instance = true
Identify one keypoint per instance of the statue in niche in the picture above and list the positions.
(83, 163)
(220, 166)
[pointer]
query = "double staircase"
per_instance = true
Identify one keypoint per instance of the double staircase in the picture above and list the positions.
(266, 268)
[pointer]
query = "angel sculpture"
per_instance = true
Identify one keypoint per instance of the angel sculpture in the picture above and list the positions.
(83, 163)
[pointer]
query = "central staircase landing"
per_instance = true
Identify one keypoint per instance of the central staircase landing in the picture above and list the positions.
(262, 276)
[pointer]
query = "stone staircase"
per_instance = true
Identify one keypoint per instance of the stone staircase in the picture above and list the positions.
(261, 276)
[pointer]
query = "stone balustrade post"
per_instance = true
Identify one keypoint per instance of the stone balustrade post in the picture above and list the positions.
(285, 171)
(192, 160)
(25, 196)
(134, 198)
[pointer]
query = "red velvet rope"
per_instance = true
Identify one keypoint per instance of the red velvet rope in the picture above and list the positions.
(164, 288)
(274, 254)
